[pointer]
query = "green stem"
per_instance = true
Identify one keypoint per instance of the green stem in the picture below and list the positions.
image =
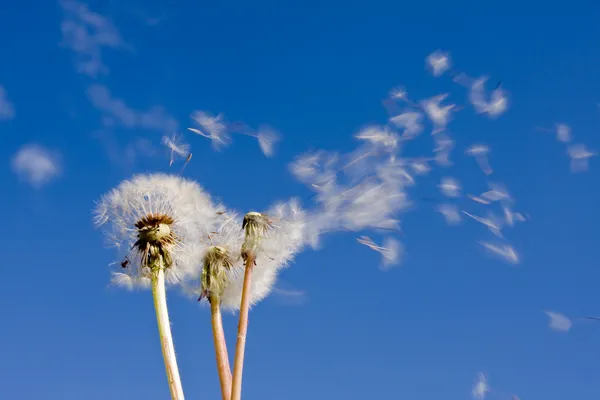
(164, 331)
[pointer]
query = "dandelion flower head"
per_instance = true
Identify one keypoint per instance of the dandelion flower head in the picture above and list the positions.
(155, 218)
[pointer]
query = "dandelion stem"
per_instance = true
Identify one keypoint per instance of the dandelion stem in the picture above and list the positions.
(240, 346)
(220, 348)
(164, 331)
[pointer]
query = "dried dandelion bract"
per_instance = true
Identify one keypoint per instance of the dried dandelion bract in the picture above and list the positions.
(173, 212)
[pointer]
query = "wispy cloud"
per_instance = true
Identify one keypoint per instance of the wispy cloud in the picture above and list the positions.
(7, 110)
(117, 112)
(125, 155)
(291, 297)
(36, 165)
(87, 33)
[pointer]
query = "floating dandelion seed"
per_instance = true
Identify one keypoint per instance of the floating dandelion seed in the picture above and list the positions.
(506, 252)
(438, 62)
(563, 133)
(420, 167)
(177, 146)
(440, 116)
(398, 93)
(579, 155)
(267, 138)
(410, 121)
(480, 152)
(379, 137)
(450, 213)
(390, 250)
(212, 127)
(497, 104)
(558, 321)
(449, 187)
(480, 388)
(493, 223)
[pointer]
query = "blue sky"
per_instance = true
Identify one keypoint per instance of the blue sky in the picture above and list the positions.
(317, 72)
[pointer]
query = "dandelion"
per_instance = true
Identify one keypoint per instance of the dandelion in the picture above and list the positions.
(255, 226)
(217, 263)
(159, 218)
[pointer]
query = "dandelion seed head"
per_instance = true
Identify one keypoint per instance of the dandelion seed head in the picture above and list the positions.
(155, 217)
(280, 244)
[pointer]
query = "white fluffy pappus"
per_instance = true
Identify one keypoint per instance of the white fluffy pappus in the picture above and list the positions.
(184, 201)
(283, 241)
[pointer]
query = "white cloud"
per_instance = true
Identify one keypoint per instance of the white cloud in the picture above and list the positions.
(125, 155)
(117, 112)
(7, 110)
(87, 33)
(291, 297)
(36, 165)
(558, 321)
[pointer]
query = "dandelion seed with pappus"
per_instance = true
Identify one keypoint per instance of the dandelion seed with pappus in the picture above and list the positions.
(160, 220)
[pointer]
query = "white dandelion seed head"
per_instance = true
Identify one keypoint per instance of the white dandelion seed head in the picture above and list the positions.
(281, 243)
(182, 200)
(438, 62)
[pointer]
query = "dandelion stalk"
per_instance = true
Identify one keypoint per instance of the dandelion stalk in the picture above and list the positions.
(223, 367)
(213, 280)
(255, 225)
(164, 331)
